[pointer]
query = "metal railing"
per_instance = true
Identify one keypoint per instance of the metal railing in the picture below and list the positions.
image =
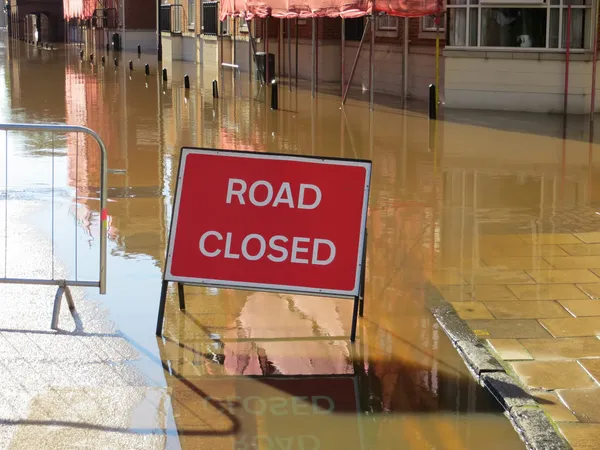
(63, 284)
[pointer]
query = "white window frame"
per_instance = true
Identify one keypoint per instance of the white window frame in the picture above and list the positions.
(387, 30)
(191, 19)
(434, 29)
(548, 5)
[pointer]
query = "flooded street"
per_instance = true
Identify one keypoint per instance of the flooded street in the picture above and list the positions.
(236, 369)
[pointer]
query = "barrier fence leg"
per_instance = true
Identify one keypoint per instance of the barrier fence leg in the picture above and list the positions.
(56, 311)
(69, 298)
(181, 293)
(161, 307)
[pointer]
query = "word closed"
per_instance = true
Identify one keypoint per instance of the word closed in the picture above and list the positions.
(271, 222)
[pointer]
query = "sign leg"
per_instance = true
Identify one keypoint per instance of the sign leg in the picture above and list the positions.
(161, 308)
(181, 296)
(363, 275)
(354, 319)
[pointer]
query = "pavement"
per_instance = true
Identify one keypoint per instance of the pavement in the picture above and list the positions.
(534, 300)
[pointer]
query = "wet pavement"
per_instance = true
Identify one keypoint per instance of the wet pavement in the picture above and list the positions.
(262, 370)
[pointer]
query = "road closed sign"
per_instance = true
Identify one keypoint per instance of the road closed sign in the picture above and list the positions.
(269, 222)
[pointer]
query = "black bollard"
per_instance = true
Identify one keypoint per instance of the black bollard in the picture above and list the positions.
(186, 81)
(139, 50)
(107, 48)
(103, 59)
(130, 65)
(432, 105)
(91, 57)
(274, 98)
(164, 74)
(81, 55)
(116, 63)
(147, 68)
(215, 89)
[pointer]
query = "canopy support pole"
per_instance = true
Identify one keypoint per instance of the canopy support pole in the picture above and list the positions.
(268, 79)
(372, 63)
(296, 52)
(362, 40)
(437, 60)
(405, 65)
(253, 50)
(343, 53)
(313, 85)
(250, 49)
(594, 63)
(280, 55)
(289, 39)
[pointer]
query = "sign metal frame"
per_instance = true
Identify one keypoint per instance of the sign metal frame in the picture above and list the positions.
(357, 293)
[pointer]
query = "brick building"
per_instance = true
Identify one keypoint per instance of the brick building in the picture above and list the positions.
(190, 31)
(499, 55)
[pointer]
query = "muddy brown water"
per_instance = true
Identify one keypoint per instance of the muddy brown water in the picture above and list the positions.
(264, 370)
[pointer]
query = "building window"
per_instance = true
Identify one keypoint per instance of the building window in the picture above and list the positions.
(387, 26)
(387, 23)
(191, 14)
(518, 23)
(428, 23)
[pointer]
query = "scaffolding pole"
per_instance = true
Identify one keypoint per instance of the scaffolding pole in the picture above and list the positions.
(362, 40)
(405, 63)
(296, 52)
(313, 85)
(289, 36)
(594, 63)
(372, 63)
(343, 53)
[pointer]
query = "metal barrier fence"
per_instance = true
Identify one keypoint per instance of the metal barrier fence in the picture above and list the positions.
(63, 284)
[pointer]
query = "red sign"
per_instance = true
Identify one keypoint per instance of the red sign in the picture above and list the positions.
(269, 222)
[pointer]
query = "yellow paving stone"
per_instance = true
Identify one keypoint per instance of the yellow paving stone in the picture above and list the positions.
(517, 262)
(509, 349)
(447, 277)
(574, 262)
(472, 310)
(551, 375)
(563, 276)
(500, 240)
(509, 328)
(591, 289)
(467, 293)
(526, 310)
(592, 366)
(580, 249)
(583, 403)
(562, 348)
(547, 292)
(523, 250)
(581, 436)
(589, 238)
(582, 308)
(581, 326)
(495, 276)
(554, 407)
(549, 238)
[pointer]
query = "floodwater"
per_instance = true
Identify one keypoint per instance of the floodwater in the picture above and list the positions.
(259, 370)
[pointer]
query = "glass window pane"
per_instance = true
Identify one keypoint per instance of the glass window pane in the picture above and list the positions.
(457, 2)
(457, 22)
(474, 16)
(513, 27)
(578, 28)
(554, 22)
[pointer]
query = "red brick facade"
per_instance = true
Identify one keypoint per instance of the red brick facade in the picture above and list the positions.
(140, 14)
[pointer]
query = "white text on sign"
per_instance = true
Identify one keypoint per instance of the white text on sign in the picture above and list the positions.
(278, 248)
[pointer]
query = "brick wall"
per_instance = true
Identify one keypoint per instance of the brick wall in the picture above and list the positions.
(140, 15)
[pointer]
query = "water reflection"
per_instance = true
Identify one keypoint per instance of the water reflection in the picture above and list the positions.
(250, 370)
